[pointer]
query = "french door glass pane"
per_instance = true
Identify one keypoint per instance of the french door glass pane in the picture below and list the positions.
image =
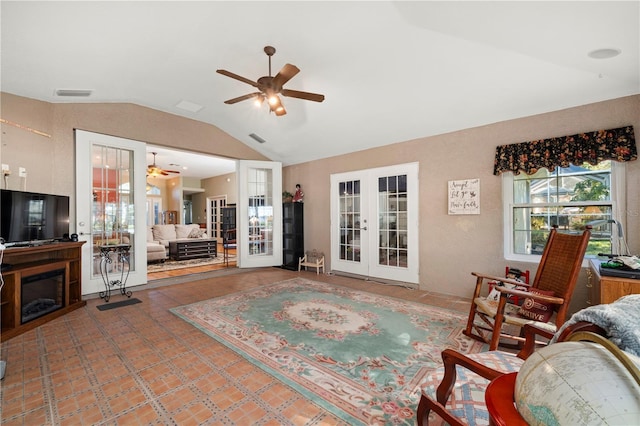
(112, 211)
(392, 221)
(260, 211)
(350, 215)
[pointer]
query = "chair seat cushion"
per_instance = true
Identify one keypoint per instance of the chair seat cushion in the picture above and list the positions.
(467, 398)
(511, 314)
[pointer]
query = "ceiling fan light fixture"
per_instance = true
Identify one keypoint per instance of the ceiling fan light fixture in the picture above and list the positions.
(274, 100)
(270, 87)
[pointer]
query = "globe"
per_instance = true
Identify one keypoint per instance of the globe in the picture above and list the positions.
(577, 383)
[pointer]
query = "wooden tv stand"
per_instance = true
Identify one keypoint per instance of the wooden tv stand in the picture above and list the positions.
(28, 261)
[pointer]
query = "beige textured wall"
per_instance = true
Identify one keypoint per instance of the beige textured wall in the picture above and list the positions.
(35, 153)
(50, 161)
(453, 246)
(450, 246)
(215, 186)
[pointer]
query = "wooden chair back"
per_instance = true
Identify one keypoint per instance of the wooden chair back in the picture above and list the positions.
(560, 266)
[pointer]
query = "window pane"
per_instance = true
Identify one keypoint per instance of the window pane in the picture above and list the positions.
(562, 198)
(350, 220)
(260, 211)
(112, 214)
(392, 218)
(532, 225)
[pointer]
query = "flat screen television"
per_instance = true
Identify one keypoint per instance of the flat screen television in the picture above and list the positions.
(28, 218)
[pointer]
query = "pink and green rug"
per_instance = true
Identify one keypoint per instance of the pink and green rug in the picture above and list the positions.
(359, 355)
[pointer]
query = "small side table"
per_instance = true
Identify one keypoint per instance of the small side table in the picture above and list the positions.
(106, 260)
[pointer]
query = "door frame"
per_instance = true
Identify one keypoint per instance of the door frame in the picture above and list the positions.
(84, 141)
(244, 256)
(370, 227)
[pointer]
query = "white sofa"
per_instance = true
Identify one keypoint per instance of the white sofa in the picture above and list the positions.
(155, 250)
(162, 234)
(159, 236)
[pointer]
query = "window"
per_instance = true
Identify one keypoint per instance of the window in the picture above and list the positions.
(571, 198)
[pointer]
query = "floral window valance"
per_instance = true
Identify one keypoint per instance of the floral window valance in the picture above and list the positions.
(593, 147)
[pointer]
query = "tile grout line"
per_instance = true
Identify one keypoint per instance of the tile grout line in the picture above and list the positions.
(158, 408)
(45, 376)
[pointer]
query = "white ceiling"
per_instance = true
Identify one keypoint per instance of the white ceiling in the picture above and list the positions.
(189, 164)
(391, 71)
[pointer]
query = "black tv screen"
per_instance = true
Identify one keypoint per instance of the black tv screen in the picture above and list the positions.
(27, 217)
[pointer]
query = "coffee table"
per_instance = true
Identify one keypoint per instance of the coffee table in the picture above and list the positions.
(192, 248)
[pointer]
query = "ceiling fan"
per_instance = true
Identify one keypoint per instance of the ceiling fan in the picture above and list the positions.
(270, 87)
(154, 171)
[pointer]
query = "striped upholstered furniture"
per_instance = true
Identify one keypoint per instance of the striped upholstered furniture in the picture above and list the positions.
(455, 391)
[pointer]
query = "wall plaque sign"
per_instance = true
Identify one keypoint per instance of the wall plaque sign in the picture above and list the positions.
(464, 196)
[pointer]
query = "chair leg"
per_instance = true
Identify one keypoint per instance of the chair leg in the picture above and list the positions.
(468, 331)
(426, 406)
(422, 415)
(497, 323)
(470, 321)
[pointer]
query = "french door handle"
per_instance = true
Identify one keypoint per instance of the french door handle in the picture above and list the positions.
(364, 229)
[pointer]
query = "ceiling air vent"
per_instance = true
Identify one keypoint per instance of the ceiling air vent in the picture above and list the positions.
(73, 92)
(257, 138)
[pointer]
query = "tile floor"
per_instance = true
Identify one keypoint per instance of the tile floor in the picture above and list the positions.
(141, 365)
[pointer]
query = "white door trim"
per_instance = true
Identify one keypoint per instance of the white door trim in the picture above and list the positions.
(84, 141)
(273, 189)
(368, 226)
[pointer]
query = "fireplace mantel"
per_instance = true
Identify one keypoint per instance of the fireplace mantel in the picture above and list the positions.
(30, 261)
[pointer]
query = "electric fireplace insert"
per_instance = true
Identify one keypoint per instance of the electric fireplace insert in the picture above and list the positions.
(41, 294)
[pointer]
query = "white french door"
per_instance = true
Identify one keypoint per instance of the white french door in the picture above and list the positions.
(259, 214)
(214, 216)
(110, 206)
(374, 222)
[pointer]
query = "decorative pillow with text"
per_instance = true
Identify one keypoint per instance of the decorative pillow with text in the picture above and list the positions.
(535, 309)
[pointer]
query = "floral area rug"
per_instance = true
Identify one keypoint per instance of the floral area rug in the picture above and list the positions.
(170, 265)
(359, 355)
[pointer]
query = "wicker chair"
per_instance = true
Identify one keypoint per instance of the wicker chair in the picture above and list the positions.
(313, 259)
(490, 320)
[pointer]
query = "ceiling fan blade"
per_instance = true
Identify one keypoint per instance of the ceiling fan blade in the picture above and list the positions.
(286, 73)
(243, 98)
(303, 95)
(237, 77)
(171, 171)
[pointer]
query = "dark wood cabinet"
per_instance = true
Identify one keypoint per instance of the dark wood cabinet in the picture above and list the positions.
(169, 217)
(228, 218)
(292, 234)
(45, 279)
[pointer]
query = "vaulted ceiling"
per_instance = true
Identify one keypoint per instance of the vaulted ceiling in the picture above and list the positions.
(391, 71)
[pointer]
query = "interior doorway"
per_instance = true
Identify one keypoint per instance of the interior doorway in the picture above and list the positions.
(214, 215)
